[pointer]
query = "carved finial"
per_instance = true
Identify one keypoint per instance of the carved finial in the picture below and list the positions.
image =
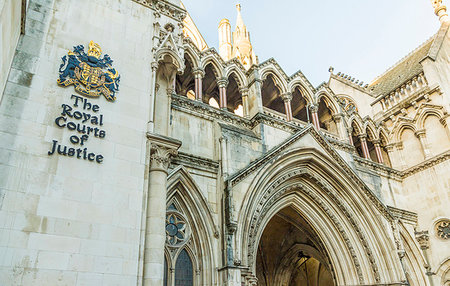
(440, 10)
(238, 7)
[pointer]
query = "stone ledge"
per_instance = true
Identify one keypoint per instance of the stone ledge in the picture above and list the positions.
(196, 162)
(403, 215)
(379, 168)
(426, 164)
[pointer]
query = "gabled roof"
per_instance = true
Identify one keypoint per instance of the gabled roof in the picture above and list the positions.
(402, 71)
(410, 65)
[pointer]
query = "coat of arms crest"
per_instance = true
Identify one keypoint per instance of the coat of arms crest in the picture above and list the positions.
(91, 75)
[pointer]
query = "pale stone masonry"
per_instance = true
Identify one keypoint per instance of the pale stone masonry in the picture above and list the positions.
(147, 157)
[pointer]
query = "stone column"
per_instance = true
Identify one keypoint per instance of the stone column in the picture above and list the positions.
(377, 144)
(162, 149)
(224, 155)
(244, 96)
(423, 238)
(350, 137)
(150, 124)
(314, 108)
(421, 134)
(222, 83)
(338, 118)
(287, 97)
(390, 153)
(365, 149)
(198, 77)
(401, 159)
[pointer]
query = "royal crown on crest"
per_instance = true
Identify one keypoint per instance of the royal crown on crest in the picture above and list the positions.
(91, 75)
(94, 50)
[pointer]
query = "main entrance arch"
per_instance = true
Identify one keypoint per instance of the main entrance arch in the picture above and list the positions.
(291, 253)
(307, 207)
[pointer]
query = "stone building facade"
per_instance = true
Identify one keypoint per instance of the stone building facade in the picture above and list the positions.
(131, 153)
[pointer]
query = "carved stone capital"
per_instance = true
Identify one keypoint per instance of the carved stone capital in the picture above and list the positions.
(362, 137)
(313, 108)
(390, 148)
(399, 145)
(198, 73)
(423, 238)
(162, 150)
(287, 97)
(420, 133)
(376, 142)
(243, 91)
(154, 66)
(160, 157)
(231, 227)
(222, 82)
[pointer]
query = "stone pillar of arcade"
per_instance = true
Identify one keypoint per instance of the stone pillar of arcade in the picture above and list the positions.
(421, 134)
(244, 96)
(287, 97)
(314, 108)
(198, 79)
(222, 84)
(377, 144)
(365, 149)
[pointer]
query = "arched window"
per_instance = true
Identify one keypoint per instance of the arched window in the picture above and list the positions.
(179, 262)
(183, 270)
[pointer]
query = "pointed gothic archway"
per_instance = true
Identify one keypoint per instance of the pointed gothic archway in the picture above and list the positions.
(291, 253)
(349, 228)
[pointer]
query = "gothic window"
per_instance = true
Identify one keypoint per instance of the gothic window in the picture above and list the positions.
(183, 270)
(178, 266)
(177, 231)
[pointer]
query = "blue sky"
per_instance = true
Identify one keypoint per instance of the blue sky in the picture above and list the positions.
(361, 38)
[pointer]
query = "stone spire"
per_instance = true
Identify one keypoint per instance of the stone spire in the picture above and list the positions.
(242, 48)
(239, 20)
(440, 10)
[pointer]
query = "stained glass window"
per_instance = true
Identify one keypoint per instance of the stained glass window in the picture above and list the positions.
(183, 270)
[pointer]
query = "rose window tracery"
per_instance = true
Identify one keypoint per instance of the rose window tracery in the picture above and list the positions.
(443, 229)
(177, 229)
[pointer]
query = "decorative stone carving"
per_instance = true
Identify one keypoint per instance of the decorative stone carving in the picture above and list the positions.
(177, 229)
(287, 97)
(443, 229)
(160, 157)
(198, 73)
(222, 82)
(313, 107)
(423, 238)
(272, 195)
(164, 8)
(243, 91)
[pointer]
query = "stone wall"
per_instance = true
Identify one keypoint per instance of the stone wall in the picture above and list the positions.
(66, 219)
(10, 23)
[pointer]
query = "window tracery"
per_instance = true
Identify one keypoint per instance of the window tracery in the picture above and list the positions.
(180, 260)
(443, 229)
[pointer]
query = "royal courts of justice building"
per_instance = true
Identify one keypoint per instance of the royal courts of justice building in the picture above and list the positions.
(144, 156)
